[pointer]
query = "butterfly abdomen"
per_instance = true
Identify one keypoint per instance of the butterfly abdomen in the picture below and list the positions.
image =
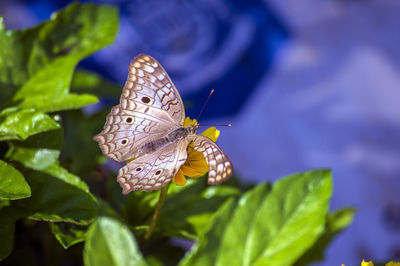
(171, 137)
(154, 145)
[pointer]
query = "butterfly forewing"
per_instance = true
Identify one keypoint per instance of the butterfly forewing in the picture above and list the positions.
(150, 107)
(149, 90)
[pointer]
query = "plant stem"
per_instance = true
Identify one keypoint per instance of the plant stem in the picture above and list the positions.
(157, 211)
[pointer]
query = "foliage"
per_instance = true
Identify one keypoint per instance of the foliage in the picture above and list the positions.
(281, 224)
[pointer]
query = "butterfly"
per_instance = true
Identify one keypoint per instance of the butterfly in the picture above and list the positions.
(148, 125)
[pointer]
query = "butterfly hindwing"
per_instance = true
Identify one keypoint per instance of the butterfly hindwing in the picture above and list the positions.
(154, 170)
(219, 166)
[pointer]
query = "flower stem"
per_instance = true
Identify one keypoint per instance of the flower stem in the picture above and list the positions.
(157, 211)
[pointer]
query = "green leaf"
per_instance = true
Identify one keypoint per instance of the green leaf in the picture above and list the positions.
(140, 206)
(12, 183)
(57, 195)
(21, 123)
(40, 153)
(81, 154)
(110, 242)
(188, 213)
(335, 223)
(8, 217)
(67, 102)
(290, 219)
(36, 64)
(4, 203)
(7, 228)
(90, 82)
(68, 234)
(268, 228)
(34, 158)
(237, 230)
(58, 199)
(37, 152)
(205, 251)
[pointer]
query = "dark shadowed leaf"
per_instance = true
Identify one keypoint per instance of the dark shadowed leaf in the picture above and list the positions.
(62, 198)
(12, 183)
(68, 234)
(40, 152)
(57, 195)
(81, 154)
(89, 82)
(8, 217)
(109, 242)
(4, 203)
(21, 123)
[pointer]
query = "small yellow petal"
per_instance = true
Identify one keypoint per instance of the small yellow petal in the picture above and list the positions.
(211, 133)
(189, 122)
(195, 165)
(179, 179)
(393, 263)
(367, 263)
(193, 173)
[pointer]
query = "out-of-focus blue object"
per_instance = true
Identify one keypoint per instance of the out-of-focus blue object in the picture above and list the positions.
(227, 46)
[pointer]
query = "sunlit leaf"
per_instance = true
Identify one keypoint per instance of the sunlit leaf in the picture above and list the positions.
(290, 219)
(36, 64)
(268, 228)
(237, 230)
(12, 183)
(335, 223)
(21, 123)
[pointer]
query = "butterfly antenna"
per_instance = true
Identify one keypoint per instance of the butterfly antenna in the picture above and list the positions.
(220, 125)
(204, 105)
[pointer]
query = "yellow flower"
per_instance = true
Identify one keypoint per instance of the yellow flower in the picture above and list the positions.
(196, 165)
(367, 263)
(370, 263)
(393, 263)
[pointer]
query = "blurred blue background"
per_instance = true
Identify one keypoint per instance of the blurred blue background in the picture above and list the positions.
(306, 84)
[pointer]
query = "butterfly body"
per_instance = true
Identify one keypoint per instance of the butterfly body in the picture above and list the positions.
(148, 125)
(170, 138)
